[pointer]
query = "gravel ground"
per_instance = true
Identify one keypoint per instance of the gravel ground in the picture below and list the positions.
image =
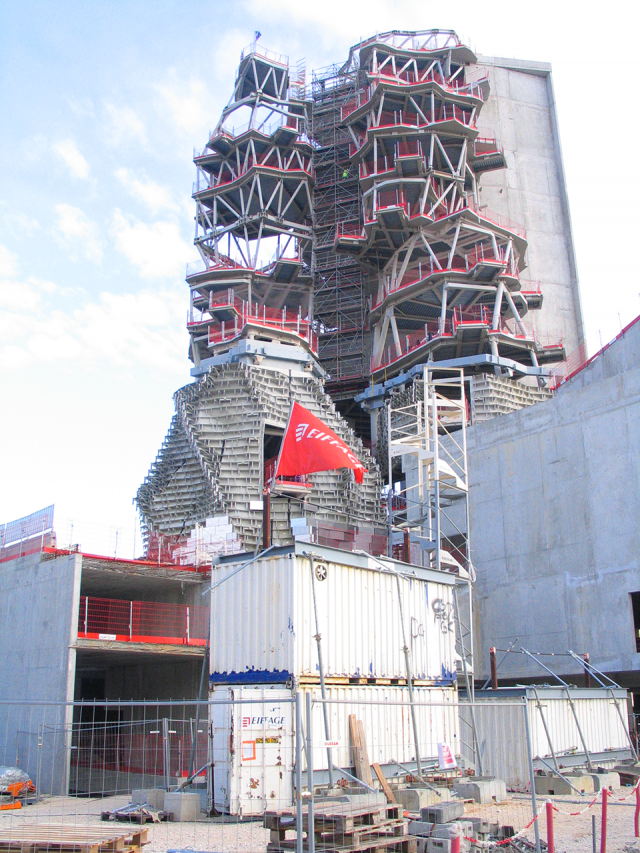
(227, 835)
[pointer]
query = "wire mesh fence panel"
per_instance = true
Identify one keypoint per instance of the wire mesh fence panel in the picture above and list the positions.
(237, 772)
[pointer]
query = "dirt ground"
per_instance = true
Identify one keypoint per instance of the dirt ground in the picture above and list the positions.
(228, 835)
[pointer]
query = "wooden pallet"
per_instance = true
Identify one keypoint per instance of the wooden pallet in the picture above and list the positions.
(344, 827)
(41, 837)
(407, 844)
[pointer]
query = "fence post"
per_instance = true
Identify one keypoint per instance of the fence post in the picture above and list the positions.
(550, 841)
(299, 826)
(603, 828)
(534, 803)
(311, 828)
(130, 620)
(636, 821)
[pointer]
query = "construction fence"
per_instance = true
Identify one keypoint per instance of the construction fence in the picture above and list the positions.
(264, 769)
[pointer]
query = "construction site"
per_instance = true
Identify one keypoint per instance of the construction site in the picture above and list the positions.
(388, 597)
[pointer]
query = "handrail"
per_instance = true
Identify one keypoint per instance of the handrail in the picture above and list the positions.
(142, 621)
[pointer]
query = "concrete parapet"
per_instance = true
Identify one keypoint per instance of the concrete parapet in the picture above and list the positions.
(153, 797)
(184, 806)
(415, 799)
(485, 789)
(549, 784)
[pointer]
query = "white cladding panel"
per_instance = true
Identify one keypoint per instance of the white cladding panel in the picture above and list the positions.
(599, 722)
(387, 726)
(501, 731)
(263, 625)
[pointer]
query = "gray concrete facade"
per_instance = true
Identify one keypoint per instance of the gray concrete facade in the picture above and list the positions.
(531, 191)
(554, 514)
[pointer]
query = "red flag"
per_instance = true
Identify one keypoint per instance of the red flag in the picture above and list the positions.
(309, 445)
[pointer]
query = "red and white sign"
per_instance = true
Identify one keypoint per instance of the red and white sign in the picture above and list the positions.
(446, 758)
(309, 445)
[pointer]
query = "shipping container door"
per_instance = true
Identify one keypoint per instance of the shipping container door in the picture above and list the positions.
(264, 756)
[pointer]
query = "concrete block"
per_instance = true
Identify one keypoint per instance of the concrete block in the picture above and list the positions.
(421, 844)
(549, 784)
(443, 812)
(480, 826)
(154, 797)
(421, 828)
(482, 789)
(452, 830)
(415, 799)
(184, 806)
(445, 845)
(610, 779)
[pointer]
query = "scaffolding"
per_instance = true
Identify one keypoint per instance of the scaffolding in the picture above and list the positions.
(428, 492)
(338, 279)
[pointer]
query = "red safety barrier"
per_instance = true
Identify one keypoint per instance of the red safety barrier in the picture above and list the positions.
(142, 621)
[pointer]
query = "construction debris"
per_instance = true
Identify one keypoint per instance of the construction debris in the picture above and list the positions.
(136, 813)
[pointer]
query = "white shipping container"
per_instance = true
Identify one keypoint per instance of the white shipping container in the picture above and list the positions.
(263, 625)
(254, 743)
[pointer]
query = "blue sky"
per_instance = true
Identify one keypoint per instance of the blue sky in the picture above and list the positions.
(102, 104)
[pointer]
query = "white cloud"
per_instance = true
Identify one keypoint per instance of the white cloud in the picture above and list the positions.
(78, 232)
(68, 152)
(189, 103)
(123, 125)
(124, 329)
(157, 249)
(8, 262)
(154, 195)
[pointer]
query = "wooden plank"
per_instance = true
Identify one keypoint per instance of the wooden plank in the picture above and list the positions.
(384, 784)
(359, 750)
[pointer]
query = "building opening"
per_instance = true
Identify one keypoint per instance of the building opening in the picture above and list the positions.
(635, 603)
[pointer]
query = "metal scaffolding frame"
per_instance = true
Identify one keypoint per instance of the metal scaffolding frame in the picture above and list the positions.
(426, 434)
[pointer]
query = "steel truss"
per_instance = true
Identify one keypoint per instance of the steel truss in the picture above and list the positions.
(444, 272)
(253, 197)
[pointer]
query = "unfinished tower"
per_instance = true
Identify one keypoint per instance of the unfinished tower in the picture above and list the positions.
(439, 274)
(252, 340)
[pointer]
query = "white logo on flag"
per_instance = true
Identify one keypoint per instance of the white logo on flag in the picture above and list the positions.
(300, 431)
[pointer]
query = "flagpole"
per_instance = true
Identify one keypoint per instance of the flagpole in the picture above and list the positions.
(284, 435)
(266, 494)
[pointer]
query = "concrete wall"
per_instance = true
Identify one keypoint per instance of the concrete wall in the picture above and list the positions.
(554, 510)
(531, 191)
(38, 615)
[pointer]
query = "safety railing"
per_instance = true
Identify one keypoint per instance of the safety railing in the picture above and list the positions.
(410, 78)
(256, 315)
(254, 49)
(142, 621)
(478, 255)
(402, 118)
(459, 318)
(270, 479)
(211, 265)
(227, 175)
(261, 126)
